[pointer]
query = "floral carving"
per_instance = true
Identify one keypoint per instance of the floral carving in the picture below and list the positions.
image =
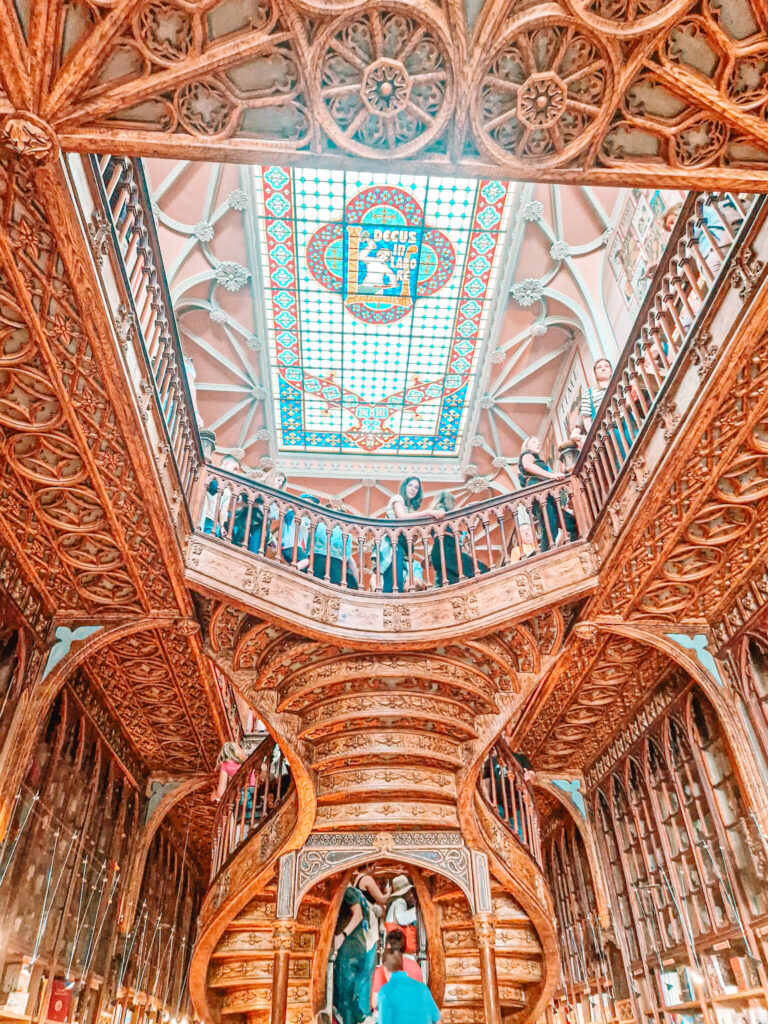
(542, 93)
(528, 291)
(204, 107)
(166, 31)
(374, 101)
(232, 276)
(27, 135)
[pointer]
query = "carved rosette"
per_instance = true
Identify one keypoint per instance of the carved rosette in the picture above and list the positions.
(25, 135)
(384, 81)
(542, 95)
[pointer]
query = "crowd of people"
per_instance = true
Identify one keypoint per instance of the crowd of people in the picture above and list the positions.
(377, 976)
(397, 564)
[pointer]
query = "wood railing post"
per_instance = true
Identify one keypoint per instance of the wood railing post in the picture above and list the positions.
(485, 933)
(282, 940)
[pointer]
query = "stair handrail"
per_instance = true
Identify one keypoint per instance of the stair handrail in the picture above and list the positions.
(508, 794)
(389, 555)
(699, 253)
(124, 196)
(253, 795)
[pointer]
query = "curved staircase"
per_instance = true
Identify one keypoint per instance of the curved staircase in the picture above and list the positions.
(241, 968)
(383, 748)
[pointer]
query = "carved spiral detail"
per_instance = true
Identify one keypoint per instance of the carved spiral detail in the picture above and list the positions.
(542, 95)
(384, 81)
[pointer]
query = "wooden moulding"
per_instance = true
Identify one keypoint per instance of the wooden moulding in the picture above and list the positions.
(466, 609)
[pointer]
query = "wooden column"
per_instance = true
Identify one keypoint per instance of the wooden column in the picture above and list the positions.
(282, 937)
(485, 933)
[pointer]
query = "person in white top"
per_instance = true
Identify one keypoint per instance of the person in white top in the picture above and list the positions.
(401, 912)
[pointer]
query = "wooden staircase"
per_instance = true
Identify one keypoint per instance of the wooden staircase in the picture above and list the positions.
(241, 966)
(518, 957)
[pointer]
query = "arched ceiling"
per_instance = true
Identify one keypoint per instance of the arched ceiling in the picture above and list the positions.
(614, 91)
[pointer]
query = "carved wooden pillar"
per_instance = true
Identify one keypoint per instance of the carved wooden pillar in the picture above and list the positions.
(282, 937)
(485, 933)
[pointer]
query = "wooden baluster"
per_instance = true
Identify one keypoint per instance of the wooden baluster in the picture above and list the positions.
(504, 788)
(493, 787)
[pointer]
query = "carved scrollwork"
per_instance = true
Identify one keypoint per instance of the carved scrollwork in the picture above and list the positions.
(205, 108)
(166, 31)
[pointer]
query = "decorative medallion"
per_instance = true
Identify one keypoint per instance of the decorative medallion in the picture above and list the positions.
(381, 257)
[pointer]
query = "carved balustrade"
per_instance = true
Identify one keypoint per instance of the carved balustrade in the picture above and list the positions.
(697, 257)
(125, 201)
(506, 791)
(252, 797)
(422, 553)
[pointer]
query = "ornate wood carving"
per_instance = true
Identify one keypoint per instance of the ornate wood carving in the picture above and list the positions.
(659, 94)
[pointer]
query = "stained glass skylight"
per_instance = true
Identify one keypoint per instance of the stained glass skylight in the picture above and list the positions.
(378, 290)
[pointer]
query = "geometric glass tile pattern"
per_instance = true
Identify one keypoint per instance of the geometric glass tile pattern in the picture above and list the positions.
(378, 290)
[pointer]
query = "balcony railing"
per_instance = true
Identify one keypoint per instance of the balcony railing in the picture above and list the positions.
(509, 795)
(421, 553)
(252, 797)
(705, 235)
(388, 555)
(125, 199)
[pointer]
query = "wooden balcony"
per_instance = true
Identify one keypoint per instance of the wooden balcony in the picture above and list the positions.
(374, 581)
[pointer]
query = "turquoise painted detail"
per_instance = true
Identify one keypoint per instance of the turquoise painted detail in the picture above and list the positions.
(699, 645)
(573, 788)
(65, 637)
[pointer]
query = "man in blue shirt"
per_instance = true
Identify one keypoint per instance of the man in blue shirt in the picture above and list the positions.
(404, 1000)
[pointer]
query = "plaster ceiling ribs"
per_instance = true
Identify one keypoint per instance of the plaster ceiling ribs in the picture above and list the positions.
(664, 92)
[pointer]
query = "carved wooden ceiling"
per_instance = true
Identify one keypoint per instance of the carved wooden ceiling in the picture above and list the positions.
(655, 91)
(592, 693)
(80, 515)
(602, 91)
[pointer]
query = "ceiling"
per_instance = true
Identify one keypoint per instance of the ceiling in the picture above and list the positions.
(617, 91)
(513, 296)
(379, 290)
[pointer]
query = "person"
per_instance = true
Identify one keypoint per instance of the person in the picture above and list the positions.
(394, 562)
(395, 940)
(533, 470)
(401, 912)
(592, 397)
(526, 545)
(240, 522)
(355, 946)
(341, 552)
(213, 509)
(288, 530)
(404, 1000)
(444, 555)
(349, 944)
(231, 756)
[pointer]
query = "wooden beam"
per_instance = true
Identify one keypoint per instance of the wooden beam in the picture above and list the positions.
(86, 59)
(14, 70)
(217, 58)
